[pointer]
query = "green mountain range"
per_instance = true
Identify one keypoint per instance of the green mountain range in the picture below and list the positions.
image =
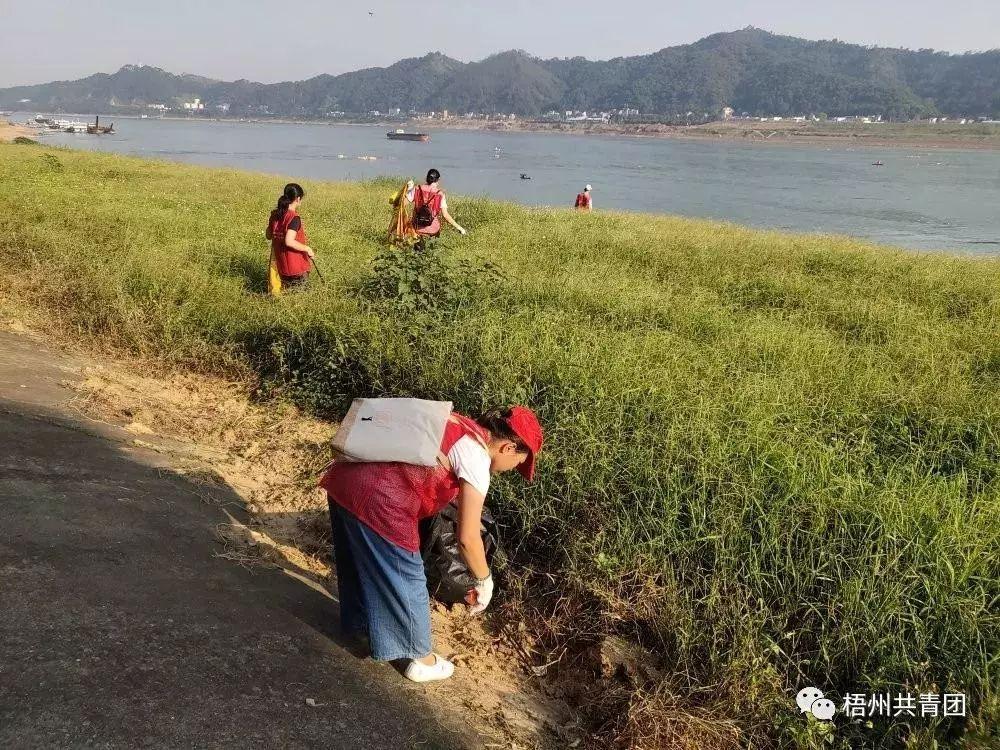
(751, 70)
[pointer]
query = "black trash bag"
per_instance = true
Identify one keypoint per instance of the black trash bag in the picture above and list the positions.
(448, 579)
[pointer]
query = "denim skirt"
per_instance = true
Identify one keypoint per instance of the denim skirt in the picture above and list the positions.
(383, 590)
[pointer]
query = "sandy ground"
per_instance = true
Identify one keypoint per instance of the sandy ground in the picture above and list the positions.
(272, 456)
(9, 132)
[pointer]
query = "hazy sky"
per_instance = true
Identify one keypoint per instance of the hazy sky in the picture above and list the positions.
(267, 41)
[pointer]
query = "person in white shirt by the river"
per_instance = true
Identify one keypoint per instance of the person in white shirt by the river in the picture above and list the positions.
(375, 509)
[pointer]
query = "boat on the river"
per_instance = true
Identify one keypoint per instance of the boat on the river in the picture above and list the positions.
(71, 126)
(98, 129)
(401, 135)
(42, 122)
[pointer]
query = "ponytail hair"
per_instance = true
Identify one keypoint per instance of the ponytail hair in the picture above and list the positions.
(292, 192)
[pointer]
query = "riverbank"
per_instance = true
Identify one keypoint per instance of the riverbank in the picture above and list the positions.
(770, 459)
(9, 131)
(972, 136)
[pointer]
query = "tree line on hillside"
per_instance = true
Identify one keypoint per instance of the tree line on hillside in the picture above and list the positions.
(751, 71)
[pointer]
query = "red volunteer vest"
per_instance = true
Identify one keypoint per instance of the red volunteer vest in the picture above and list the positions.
(423, 194)
(290, 262)
(391, 498)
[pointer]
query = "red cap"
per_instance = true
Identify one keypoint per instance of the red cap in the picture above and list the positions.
(525, 425)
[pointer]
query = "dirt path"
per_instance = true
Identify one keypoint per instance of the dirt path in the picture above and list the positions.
(237, 456)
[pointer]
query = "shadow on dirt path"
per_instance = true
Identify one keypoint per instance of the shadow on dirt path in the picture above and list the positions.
(122, 626)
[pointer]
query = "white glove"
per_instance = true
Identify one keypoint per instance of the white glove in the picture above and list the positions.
(484, 593)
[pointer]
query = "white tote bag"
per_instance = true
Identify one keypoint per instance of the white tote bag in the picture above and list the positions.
(408, 430)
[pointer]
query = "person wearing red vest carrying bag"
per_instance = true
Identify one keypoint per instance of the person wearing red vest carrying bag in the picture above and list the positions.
(430, 202)
(375, 509)
(290, 252)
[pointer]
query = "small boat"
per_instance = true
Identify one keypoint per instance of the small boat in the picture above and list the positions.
(96, 128)
(877, 164)
(525, 176)
(42, 122)
(401, 135)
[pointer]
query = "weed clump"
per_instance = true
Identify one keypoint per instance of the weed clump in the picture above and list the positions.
(427, 282)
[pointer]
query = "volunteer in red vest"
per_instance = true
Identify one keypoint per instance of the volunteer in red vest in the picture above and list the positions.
(375, 509)
(584, 201)
(432, 196)
(288, 238)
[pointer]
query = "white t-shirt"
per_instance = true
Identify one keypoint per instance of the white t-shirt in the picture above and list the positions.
(471, 462)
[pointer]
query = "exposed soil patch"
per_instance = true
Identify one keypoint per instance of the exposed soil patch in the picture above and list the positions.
(9, 132)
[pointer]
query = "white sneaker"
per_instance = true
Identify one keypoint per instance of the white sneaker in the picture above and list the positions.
(441, 669)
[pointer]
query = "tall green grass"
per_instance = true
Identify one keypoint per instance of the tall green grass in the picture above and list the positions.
(771, 460)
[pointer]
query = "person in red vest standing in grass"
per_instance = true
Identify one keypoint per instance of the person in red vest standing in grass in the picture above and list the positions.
(290, 253)
(375, 509)
(584, 201)
(430, 202)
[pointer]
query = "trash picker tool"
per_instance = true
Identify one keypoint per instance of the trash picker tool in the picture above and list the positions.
(318, 273)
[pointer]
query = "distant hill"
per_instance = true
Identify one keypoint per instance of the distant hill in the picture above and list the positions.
(129, 85)
(750, 70)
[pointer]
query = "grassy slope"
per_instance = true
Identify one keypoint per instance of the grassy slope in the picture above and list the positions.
(773, 459)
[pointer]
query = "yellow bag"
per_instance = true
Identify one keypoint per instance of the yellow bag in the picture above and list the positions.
(273, 278)
(401, 231)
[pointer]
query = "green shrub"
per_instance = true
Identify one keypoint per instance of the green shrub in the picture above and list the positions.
(412, 282)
